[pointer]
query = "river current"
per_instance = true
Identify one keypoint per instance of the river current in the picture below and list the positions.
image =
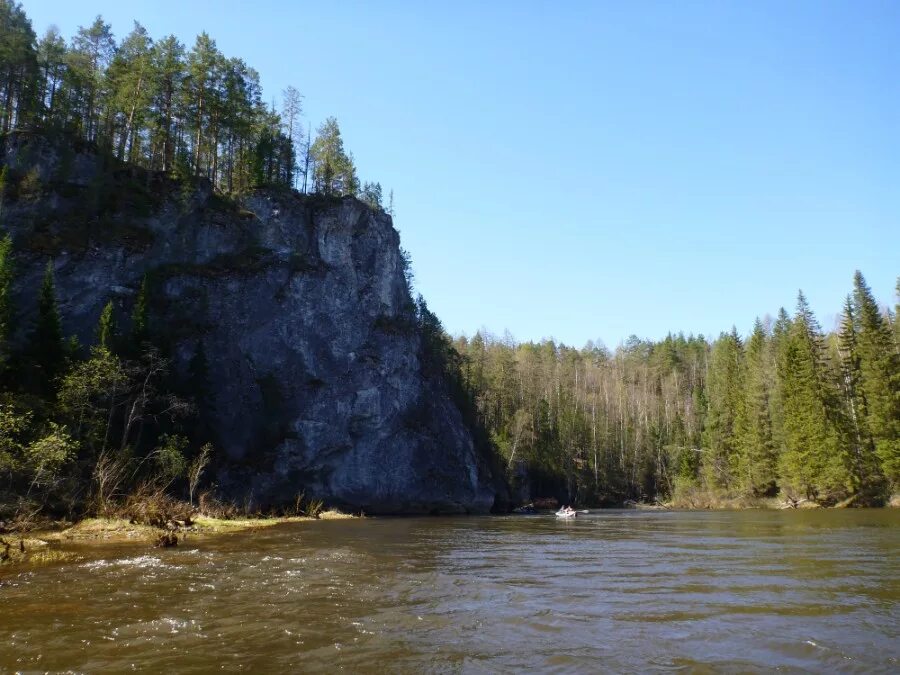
(613, 591)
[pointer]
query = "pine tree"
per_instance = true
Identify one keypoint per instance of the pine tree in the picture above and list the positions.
(202, 81)
(51, 54)
(168, 73)
(814, 463)
(130, 81)
(106, 328)
(47, 345)
(92, 49)
(18, 66)
(371, 195)
(334, 170)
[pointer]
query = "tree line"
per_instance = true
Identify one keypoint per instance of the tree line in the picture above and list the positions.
(188, 112)
(787, 410)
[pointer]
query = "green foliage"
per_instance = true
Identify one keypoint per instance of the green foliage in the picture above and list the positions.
(195, 113)
(13, 428)
(47, 455)
(814, 464)
(38, 461)
(47, 345)
(335, 173)
(685, 418)
(725, 387)
(6, 310)
(89, 396)
(406, 266)
(106, 328)
(140, 328)
(756, 465)
(371, 195)
(875, 364)
(168, 458)
(18, 65)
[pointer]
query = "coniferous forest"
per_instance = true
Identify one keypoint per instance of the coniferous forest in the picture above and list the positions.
(185, 110)
(789, 411)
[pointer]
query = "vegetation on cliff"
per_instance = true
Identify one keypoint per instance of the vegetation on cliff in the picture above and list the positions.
(185, 112)
(85, 428)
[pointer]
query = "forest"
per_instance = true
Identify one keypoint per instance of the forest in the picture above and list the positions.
(187, 112)
(787, 410)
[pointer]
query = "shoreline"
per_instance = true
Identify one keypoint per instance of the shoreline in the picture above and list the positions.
(23, 550)
(46, 546)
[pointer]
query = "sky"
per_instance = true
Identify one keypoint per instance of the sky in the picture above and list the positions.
(595, 170)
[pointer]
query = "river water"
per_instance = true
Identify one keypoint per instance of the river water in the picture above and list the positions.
(614, 591)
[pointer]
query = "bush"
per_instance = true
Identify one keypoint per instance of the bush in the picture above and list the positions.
(47, 455)
(168, 458)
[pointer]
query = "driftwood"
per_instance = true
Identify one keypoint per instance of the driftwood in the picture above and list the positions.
(167, 540)
(792, 503)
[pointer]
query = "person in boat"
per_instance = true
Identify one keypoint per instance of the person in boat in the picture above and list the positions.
(568, 510)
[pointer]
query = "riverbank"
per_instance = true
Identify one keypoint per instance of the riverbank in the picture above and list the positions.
(51, 545)
(706, 501)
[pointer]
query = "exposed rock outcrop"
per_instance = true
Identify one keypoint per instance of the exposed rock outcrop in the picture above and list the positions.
(303, 311)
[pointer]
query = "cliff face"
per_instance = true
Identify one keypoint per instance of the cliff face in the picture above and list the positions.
(314, 360)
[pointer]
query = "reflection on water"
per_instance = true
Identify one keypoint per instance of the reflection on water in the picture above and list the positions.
(613, 591)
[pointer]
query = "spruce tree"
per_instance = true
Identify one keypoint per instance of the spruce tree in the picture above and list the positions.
(775, 357)
(47, 345)
(6, 276)
(878, 374)
(757, 466)
(106, 327)
(897, 318)
(725, 391)
(814, 461)
(140, 314)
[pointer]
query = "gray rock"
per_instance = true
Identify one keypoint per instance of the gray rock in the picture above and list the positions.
(307, 323)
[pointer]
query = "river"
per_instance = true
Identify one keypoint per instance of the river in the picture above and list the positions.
(614, 591)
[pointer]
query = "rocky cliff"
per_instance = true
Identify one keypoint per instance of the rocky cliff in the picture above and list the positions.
(314, 358)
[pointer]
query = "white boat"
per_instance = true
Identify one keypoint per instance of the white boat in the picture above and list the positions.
(566, 514)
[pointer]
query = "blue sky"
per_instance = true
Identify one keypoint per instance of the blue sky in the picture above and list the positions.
(594, 170)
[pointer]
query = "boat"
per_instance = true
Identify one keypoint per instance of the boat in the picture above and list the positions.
(562, 513)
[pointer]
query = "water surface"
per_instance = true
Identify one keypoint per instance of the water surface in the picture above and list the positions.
(616, 591)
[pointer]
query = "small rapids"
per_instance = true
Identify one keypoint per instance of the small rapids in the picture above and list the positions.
(622, 591)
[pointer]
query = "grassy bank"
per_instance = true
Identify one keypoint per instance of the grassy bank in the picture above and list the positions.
(46, 546)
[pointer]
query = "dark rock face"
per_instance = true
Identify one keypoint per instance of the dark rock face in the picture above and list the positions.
(305, 318)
